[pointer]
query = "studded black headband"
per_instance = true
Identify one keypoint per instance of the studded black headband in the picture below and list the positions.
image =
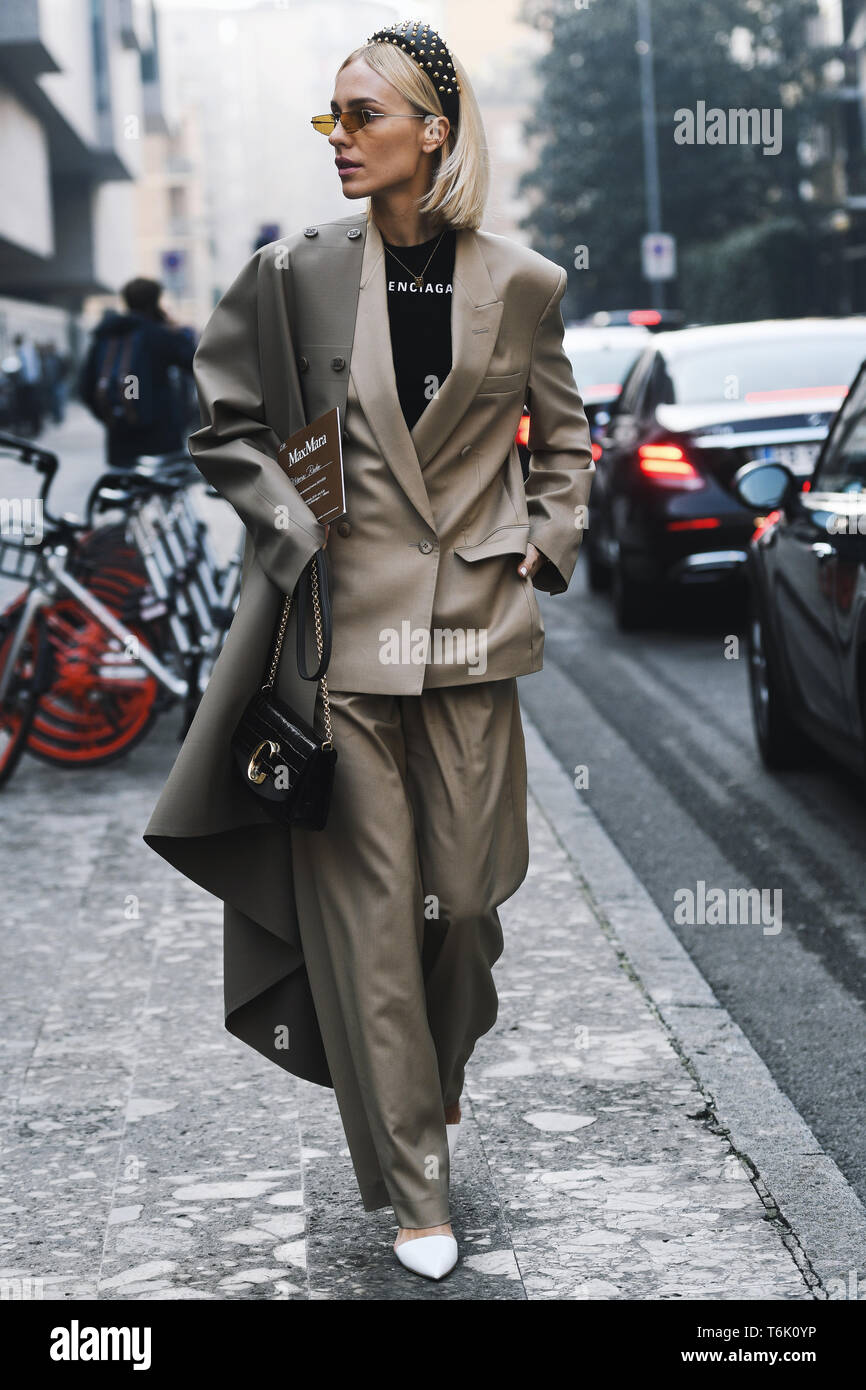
(422, 43)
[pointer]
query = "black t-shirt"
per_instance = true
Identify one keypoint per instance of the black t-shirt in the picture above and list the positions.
(420, 319)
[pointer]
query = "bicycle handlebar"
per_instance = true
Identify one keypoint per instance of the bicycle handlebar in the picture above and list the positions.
(154, 475)
(43, 460)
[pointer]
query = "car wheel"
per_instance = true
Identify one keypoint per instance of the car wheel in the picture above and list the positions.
(780, 743)
(630, 599)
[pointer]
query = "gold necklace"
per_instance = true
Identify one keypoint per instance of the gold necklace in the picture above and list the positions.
(419, 279)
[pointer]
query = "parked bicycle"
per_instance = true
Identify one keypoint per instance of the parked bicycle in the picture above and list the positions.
(116, 622)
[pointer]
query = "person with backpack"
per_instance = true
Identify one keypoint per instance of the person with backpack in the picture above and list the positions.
(129, 377)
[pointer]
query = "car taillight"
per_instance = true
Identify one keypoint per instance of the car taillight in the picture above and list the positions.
(667, 465)
(522, 435)
(596, 452)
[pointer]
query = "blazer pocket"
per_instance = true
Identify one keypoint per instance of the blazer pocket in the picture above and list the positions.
(505, 540)
(500, 385)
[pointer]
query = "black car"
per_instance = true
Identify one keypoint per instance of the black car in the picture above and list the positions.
(698, 405)
(806, 633)
(600, 359)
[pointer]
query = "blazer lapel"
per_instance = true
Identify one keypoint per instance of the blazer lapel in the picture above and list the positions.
(476, 313)
(475, 316)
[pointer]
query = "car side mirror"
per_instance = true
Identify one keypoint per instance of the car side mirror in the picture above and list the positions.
(763, 486)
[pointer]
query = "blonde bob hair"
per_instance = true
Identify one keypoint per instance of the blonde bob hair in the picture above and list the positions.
(461, 180)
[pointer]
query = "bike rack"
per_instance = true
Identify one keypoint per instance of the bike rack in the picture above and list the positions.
(195, 595)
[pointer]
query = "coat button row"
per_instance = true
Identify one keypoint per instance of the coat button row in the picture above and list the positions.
(353, 232)
(337, 365)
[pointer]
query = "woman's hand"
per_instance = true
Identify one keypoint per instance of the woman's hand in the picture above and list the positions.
(533, 562)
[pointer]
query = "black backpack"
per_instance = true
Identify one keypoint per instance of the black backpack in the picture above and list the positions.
(122, 371)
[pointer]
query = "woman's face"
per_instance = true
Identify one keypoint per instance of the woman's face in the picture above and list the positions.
(385, 154)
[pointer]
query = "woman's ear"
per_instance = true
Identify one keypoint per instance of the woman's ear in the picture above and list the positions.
(435, 132)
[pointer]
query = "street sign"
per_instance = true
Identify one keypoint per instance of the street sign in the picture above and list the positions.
(174, 270)
(659, 252)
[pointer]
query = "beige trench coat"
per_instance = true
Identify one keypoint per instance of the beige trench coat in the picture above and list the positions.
(436, 519)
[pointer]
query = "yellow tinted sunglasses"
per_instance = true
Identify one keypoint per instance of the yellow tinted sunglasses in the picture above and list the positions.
(352, 121)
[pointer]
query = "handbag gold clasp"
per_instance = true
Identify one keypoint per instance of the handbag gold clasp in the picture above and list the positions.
(256, 772)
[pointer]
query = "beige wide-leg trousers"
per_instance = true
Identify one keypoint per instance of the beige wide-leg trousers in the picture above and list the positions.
(396, 902)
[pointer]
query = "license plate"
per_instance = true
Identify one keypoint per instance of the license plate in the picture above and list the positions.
(800, 458)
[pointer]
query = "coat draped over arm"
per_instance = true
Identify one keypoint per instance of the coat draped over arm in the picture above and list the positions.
(206, 823)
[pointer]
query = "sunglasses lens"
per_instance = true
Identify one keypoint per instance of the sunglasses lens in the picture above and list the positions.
(352, 121)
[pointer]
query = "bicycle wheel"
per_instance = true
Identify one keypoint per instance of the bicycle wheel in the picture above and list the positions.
(112, 568)
(18, 708)
(100, 703)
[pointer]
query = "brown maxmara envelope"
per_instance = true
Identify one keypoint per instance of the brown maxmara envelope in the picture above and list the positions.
(313, 458)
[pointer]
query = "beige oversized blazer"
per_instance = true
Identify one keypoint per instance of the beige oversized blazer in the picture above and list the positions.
(436, 520)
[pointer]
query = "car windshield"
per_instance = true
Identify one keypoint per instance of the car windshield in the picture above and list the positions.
(596, 369)
(775, 369)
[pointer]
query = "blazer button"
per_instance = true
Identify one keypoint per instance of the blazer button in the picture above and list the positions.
(425, 546)
(303, 364)
(344, 528)
(338, 363)
(345, 436)
(311, 231)
(353, 232)
(467, 449)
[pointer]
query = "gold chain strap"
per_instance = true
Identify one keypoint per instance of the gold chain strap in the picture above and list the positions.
(272, 674)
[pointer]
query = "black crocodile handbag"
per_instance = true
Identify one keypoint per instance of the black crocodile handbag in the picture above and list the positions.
(280, 757)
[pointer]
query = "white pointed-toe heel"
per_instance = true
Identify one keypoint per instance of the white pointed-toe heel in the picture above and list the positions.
(453, 1132)
(432, 1256)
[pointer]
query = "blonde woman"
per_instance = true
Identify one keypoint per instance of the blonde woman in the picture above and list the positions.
(360, 956)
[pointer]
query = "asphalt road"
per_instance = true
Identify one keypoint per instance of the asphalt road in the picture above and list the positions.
(662, 723)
